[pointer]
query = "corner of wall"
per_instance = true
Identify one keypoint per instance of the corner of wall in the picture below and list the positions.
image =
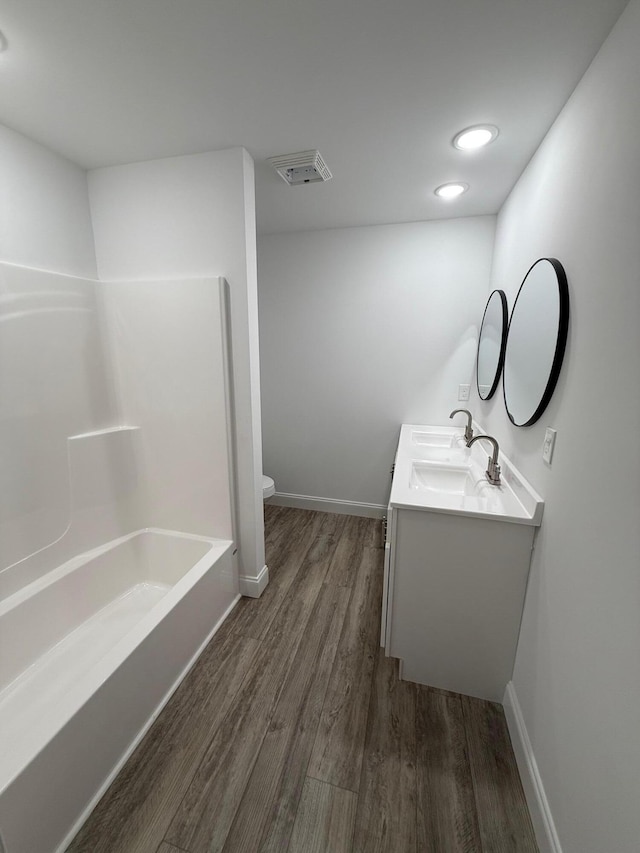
(253, 587)
(44, 208)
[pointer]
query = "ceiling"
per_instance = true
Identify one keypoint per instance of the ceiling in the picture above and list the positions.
(378, 86)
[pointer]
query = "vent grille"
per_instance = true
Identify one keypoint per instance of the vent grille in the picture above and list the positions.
(303, 167)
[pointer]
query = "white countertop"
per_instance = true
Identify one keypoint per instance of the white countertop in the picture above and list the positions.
(514, 500)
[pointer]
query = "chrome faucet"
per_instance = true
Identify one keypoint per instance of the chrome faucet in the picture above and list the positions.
(493, 469)
(468, 430)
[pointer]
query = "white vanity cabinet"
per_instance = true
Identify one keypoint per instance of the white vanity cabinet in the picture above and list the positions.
(454, 588)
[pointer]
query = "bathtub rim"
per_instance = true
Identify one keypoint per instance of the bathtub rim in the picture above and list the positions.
(16, 757)
(53, 575)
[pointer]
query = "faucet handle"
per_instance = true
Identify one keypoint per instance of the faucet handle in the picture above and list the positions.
(493, 472)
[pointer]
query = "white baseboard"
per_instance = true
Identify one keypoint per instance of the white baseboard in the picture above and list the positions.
(254, 587)
(541, 817)
(329, 505)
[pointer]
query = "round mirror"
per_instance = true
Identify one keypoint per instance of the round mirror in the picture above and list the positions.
(536, 341)
(491, 344)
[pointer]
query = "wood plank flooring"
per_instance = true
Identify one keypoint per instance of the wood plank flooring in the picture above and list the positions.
(293, 733)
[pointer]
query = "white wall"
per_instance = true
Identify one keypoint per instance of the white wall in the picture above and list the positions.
(44, 209)
(577, 676)
(362, 329)
(193, 217)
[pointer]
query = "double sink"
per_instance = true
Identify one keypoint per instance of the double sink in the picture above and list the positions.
(435, 470)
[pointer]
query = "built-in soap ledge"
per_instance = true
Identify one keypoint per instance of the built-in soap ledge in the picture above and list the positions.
(104, 495)
(101, 432)
(103, 466)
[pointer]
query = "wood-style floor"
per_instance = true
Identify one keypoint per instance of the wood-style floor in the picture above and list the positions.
(293, 732)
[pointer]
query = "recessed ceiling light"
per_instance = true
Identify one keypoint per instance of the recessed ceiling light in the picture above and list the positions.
(451, 190)
(475, 137)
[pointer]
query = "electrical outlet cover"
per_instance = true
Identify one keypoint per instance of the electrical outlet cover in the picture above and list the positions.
(463, 392)
(548, 445)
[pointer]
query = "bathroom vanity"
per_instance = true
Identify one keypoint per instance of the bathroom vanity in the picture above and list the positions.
(457, 557)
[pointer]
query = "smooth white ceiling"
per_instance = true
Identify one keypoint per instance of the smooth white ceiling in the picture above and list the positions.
(379, 86)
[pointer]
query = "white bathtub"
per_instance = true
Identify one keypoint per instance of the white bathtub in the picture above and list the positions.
(89, 654)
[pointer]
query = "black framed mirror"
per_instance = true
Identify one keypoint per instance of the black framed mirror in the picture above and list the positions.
(536, 341)
(491, 344)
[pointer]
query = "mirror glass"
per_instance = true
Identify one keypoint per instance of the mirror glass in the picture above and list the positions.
(536, 341)
(491, 344)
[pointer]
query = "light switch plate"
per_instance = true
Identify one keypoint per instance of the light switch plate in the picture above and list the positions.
(463, 392)
(548, 445)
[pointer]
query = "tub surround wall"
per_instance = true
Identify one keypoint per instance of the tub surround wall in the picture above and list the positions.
(363, 329)
(55, 384)
(576, 683)
(91, 457)
(166, 341)
(192, 217)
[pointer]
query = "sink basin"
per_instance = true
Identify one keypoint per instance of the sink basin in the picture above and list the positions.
(445, 447)
(450, 480)
(427, 438)
(462, 487)
(443, 455)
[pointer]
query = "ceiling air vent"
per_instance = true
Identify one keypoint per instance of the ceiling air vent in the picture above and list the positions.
(304, 167)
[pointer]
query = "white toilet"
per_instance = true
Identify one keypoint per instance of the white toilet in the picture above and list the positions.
(268, 487)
